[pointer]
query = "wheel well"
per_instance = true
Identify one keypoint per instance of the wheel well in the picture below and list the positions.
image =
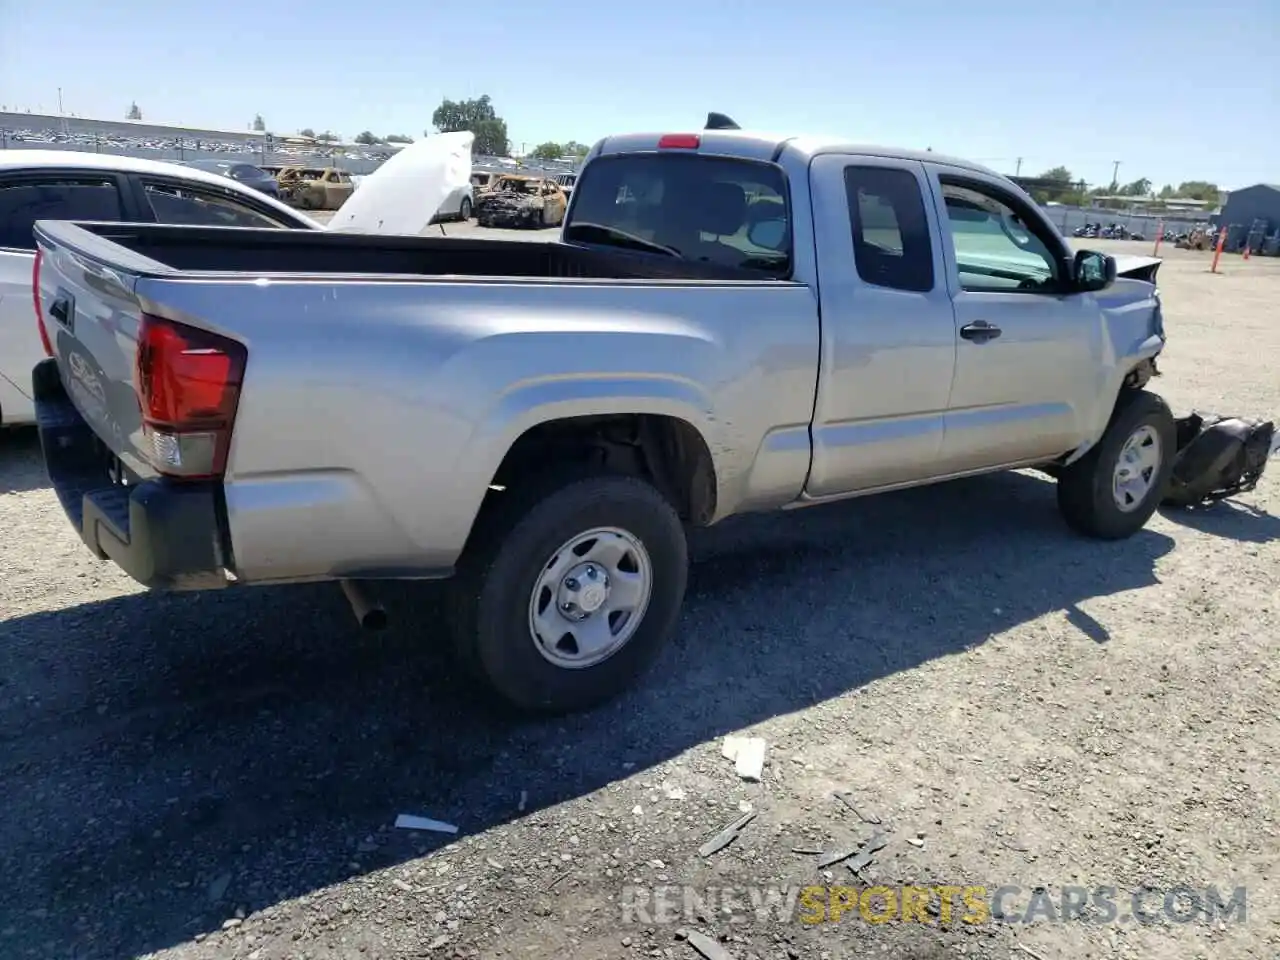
(667, 451)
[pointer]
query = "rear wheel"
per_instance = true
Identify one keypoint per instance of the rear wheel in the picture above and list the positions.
(1112, 491)
(464, 212)
(568, 593)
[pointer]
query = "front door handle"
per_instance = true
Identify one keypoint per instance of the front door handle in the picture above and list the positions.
(979, 331)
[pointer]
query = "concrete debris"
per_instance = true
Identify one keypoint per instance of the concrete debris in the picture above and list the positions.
(408, 821)
(704, 945)
(725, 836)
(847, 800)
(747, 754)
(842, 853)
(879, 840)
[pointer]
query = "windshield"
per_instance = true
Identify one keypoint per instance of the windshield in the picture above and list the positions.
(720, 210)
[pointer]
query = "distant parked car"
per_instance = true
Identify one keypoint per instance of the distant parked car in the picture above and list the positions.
(457, 206)
(73, 185)
(245, 173)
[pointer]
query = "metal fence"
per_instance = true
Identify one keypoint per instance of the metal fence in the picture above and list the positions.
(1068, 219)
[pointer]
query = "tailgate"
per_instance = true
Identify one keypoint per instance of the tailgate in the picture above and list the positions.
(85, 289)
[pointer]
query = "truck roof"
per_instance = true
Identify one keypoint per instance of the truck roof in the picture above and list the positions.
(762, 144)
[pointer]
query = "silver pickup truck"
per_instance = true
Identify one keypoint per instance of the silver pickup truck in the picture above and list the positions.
(730, 322)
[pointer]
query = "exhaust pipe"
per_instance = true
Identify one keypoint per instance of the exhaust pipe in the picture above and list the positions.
(369, 613)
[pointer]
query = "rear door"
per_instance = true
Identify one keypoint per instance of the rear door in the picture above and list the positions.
(888, 331)
(27, 196)
(1028, 350)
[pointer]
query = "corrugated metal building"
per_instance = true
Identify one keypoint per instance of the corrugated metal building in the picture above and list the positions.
(1259, 202)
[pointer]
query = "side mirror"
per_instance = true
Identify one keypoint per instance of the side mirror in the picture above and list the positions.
(1093, 271)
(769, 234)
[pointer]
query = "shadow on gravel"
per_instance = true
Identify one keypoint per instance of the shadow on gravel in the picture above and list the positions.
(158, 751)
(1228, 519)
(21, 467)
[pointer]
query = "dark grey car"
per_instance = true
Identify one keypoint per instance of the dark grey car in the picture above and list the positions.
(245, 173)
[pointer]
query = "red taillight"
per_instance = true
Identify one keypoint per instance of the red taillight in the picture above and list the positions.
(35, 295)
(679, 141)
(188, 384)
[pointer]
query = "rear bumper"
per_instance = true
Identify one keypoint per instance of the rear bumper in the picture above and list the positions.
(166, 535)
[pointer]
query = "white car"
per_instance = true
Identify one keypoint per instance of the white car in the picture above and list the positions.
(404, 195)
(69, 185)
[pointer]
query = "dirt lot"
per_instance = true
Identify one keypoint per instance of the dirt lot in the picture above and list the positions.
(216, 776)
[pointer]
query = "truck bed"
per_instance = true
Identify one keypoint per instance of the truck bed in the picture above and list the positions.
(163, 249)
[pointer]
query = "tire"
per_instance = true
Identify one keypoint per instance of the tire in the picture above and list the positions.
(515, 542)
(1087, 495)
(464, 212)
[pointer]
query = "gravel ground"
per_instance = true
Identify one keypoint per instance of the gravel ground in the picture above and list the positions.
(217, 775)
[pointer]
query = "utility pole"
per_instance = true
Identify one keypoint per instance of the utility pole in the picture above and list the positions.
(1018, 169)
(59, 101)
(1115, 173)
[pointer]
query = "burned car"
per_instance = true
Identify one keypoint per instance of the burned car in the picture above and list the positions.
(315, 188)
(515, 200)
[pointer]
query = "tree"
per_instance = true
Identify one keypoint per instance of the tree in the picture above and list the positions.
(479, 117)
(575, 149)
(398, 138)
(548, 151)
(1139, 188)
(367, 138)
(328, 136)
(259, 124)
(134, 113)
(1166, 191)
(1199, 190)
(307, 132)
(1060, 176)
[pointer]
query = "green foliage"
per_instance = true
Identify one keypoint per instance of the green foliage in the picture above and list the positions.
(480, 118)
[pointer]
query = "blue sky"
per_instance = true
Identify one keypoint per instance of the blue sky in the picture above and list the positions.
(1079, 83)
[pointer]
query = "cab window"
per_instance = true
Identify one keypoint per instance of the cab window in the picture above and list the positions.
(997, 248)
(722, 210)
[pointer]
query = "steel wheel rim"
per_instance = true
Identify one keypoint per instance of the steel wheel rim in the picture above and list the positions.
(1136, 469)
(590, 598)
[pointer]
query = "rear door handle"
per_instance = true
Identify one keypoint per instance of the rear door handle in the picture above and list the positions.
(979, 331)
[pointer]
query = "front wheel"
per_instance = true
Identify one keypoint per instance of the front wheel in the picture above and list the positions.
(568, 592)
(1112, 491)
(464, 212)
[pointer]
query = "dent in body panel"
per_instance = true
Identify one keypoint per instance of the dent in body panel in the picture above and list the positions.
(1132, 332)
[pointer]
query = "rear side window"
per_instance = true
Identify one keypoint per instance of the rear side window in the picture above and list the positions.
(890, 231)
(182, 205)
(62, 198)
(721, 210)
